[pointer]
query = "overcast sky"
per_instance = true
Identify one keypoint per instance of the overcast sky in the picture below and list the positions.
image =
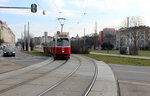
(80, 14)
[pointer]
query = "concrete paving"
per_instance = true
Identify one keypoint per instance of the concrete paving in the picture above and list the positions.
(139, 57)
(23, 70)
(7, 66)
(106, 84)
(34, 87)
(78, 82)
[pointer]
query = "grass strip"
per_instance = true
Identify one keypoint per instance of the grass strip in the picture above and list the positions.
(120, 60)
(105, 51)
(145, 53)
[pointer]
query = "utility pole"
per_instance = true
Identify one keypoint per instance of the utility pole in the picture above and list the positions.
(28, 38)
(127, 22)
(21, 41)
(0, 31)
(1, 39)
(24, 37)
(84, 40)
(128, 47)
(119, 42)
(95, 36)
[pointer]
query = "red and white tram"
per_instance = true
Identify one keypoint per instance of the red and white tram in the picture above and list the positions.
(58, 46)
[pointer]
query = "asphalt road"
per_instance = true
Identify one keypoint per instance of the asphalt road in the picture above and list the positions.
(23, 58)
(133, 80)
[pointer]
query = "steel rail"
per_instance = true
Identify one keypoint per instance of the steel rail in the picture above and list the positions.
(47, 63)
(61, 81)
(86, 92)
(31, 79)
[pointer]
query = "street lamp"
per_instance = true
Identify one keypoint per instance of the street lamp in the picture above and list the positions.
(61, 21)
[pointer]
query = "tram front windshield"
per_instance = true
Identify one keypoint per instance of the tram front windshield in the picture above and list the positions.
(63, 42)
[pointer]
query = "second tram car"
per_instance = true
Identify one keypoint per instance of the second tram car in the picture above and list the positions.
(58, 46)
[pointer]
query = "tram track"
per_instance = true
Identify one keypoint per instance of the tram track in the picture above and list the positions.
(25, 70)
(31, 78)
(61, 81)
(76, 75)
(6, 91)
(85, 91)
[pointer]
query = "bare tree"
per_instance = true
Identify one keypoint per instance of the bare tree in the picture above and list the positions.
(132, 21)
(135, 21)
(134, 37)
(95, 40)
(123, 36)
(146, 31)
(147, 35)
(133, 33)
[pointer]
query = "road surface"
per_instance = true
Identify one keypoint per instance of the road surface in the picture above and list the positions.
(133, 80)
(24, 59)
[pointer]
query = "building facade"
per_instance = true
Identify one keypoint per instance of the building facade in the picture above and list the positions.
(6, 35)
(108, 35)
(38, 41)
(138, 36)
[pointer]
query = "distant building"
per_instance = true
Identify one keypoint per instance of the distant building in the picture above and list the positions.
(41, 40)
(126, 37)
(108, 35)
(37, 40)
(6, 34)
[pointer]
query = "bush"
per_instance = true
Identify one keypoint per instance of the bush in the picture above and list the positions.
(78, 48)
(107, 46)
(123, 50)
(133, 50)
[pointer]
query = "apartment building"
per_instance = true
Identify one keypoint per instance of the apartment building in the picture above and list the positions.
(108, 35)
(139, 36)
(6, 34)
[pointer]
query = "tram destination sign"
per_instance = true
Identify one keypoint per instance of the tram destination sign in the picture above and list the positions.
(62, 35)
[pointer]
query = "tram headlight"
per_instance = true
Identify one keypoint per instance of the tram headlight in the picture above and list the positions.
(63, 51)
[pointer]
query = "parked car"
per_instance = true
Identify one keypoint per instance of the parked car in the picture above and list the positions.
(9, 51)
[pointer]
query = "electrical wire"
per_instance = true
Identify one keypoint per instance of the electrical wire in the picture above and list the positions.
(84, 13)
(59, 11)
(39, 4)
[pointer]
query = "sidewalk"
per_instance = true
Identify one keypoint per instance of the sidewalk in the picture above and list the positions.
(139, 57)
(106, 83)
